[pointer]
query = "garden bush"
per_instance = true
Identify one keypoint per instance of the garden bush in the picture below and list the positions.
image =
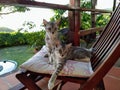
(35, 39)
(11, 39)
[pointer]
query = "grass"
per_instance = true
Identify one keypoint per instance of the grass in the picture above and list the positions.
(17, 53)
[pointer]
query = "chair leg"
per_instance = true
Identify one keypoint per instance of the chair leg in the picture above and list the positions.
(100, 86)
(61, 85)
(27, 81)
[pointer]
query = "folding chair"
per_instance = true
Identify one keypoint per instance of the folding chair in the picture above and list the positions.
(107, 52)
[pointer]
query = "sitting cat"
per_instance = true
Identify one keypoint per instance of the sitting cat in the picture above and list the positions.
(62, 53)
(51, 36)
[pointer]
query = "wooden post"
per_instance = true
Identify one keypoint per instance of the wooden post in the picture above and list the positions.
(77, 24)
(74, 23)
(71, 18)
(93, 13)
(93, 24)
(114, 4)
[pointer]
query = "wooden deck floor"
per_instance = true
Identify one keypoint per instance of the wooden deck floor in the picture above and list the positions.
(112, 82)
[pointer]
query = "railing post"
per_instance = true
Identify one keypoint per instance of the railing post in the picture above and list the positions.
(71, 18)
(74, 22)
(93, 24)
(114, 4)
(77, 24)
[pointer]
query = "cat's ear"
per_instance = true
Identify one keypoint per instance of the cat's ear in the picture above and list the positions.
(58, 22)
(45, 22)
(68, 45)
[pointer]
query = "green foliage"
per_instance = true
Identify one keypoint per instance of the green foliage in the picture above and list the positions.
(3, 38)
(102, 19)
(64, 22)
(20, 8)
(86, 20)
(59, 15)
(35, 39)
(11, 39)
(12, 9)
(85, 4)
(18, 38)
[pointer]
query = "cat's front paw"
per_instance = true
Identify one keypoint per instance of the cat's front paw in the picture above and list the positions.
(50, 85)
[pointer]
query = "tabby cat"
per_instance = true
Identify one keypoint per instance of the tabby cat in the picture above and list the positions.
(51, 37)
(67, 52)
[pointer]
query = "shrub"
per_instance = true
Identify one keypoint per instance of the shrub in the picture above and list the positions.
(4, 39)
(11, 39)
(18, 38)
(35, 39)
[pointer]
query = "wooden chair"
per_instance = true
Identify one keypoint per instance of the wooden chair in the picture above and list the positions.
(107, 53)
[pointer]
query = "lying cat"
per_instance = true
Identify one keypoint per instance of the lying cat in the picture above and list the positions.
(51, 36)
(62, 53)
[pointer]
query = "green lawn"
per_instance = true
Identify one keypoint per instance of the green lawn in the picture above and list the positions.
(17, 53)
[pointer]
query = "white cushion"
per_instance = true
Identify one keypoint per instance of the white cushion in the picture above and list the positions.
(38, 63)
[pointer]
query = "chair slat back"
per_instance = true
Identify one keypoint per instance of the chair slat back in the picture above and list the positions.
(109, 38)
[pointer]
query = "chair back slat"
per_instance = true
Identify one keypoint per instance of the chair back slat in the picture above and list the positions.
(111, 22)
(109, 38)
(108, 42)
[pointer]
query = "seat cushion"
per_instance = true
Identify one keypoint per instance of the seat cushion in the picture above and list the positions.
(38, 63)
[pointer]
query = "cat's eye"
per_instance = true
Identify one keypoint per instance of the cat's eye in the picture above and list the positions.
(60, 51)
(49, 29)
(55, 28)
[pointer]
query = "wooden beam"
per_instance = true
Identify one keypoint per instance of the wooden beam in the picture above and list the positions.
(90, 31)
(35, 4)
(91, 10)
(49, 5)
(8, 1)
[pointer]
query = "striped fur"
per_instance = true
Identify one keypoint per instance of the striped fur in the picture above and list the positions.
(67, 52)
